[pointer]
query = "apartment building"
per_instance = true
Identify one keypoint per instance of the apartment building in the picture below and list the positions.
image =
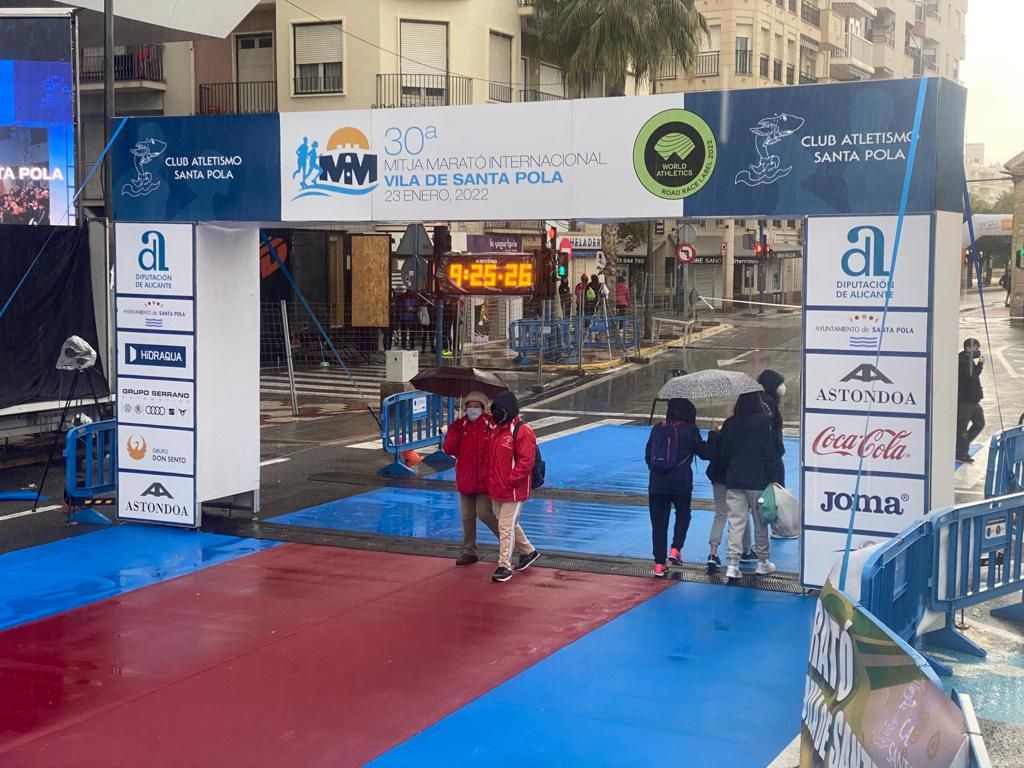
(765, 43)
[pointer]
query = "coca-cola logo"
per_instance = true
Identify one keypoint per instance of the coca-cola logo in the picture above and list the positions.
(879, 443)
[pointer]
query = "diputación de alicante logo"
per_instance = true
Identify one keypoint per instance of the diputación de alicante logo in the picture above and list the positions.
(674, 154)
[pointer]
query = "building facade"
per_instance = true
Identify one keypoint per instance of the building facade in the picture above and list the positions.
(766, 43)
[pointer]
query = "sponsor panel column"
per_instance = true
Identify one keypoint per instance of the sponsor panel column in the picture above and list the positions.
(866, 392)
(156, 390)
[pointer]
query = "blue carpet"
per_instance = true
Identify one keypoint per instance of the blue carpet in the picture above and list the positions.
(51, 578)
(699, 675)
(557, 524)
(610, 459)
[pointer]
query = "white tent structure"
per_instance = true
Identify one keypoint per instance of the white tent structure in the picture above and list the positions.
(987, 225)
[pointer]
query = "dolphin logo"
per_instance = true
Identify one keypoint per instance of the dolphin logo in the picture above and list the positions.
(143, 152)
(768, 132)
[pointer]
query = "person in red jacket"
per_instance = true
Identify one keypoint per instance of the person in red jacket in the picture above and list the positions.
(466, 440)
(621, 296)
(512, 451)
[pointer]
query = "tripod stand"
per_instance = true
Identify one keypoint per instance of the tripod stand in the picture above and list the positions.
(60, 425)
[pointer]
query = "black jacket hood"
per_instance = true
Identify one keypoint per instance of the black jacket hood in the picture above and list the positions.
(770, 380)
(508, 402)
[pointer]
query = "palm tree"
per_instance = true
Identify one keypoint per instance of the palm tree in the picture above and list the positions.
(606, 41)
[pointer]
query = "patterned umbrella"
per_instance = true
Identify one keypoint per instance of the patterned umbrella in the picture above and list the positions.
(707, 384)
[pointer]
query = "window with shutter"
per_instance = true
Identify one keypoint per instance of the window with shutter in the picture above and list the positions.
(500, 67)
(551, 81)
(318, 53)
(424, 64)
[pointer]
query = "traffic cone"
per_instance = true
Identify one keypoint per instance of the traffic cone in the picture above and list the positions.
(411, 458)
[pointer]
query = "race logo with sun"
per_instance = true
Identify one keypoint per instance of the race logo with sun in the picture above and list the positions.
(345, 166)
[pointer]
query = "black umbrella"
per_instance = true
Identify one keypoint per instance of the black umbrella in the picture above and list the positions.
(452, 381)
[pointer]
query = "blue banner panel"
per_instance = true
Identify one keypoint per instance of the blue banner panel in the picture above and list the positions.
(208, 168)
(819, 149)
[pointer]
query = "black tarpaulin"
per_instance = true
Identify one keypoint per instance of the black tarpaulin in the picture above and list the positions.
(53, 303)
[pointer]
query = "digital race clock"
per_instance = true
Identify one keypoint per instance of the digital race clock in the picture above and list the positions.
(487, 274)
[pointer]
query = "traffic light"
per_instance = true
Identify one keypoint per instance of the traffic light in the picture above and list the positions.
(562, 266)
(552, 238)
(442, 240)
(758, 250)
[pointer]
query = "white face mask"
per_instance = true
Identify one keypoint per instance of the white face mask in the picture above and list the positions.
(474, 413)
(781, 390)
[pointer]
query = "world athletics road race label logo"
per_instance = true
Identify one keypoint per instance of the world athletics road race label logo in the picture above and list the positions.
(345, 167)
(674, 154)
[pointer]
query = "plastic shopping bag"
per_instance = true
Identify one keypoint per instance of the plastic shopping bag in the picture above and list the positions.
(766, 505)
(787, 512)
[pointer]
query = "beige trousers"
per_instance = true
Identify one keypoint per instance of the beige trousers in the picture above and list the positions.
(510, 534)
(474, 506)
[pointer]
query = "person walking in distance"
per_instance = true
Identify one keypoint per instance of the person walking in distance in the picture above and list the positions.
(466, 440)
(748, 449)
(1006, 281)
(621, 296)
(970, 417)
(511, 456)
(669, 455)
(565, 297)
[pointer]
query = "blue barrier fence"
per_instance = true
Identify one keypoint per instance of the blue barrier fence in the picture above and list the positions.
(414, 420)
(1005, 463)
(90, 471)
(954, 558)
(90, 461)
(562, 339)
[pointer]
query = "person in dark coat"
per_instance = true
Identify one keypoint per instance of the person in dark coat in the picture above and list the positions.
(716, 474)
(774, 384)
(749, 451)
(970, 416)
(673, 486)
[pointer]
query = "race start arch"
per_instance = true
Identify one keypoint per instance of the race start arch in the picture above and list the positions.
(875, 166)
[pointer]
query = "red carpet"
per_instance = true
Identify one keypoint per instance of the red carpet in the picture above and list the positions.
(299, 656)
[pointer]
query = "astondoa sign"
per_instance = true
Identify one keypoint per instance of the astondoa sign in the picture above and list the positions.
(856, 383)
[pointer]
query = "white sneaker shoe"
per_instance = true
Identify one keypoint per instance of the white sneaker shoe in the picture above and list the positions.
(765, 567)
(732, 572)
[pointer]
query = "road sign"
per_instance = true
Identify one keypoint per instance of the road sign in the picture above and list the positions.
(686, 253)
(724, 249)
(565, 246)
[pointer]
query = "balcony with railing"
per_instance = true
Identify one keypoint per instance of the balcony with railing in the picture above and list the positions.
(707, 64)
(810, 13)
(402, 90)
(139, 66)
(516, 225)
(856, 61)
(500, 92)
(238, 98)
(744, 62)
(535, 95)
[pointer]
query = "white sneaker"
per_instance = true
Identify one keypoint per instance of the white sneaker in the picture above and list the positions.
(765, 567)
(732, 572)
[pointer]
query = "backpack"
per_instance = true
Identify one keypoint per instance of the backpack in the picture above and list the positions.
(539, 467)
(424, 315)
(665, 455)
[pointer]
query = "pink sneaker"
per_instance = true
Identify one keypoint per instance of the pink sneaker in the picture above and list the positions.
(660, 571)
(674, 557)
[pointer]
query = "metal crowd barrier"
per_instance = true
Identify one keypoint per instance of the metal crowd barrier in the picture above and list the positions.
(560, 338)
(411, 421)
(954, 558)
(90, 471)
(1005, 463)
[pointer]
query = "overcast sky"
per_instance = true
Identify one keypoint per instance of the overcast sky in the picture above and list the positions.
(994, 76)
